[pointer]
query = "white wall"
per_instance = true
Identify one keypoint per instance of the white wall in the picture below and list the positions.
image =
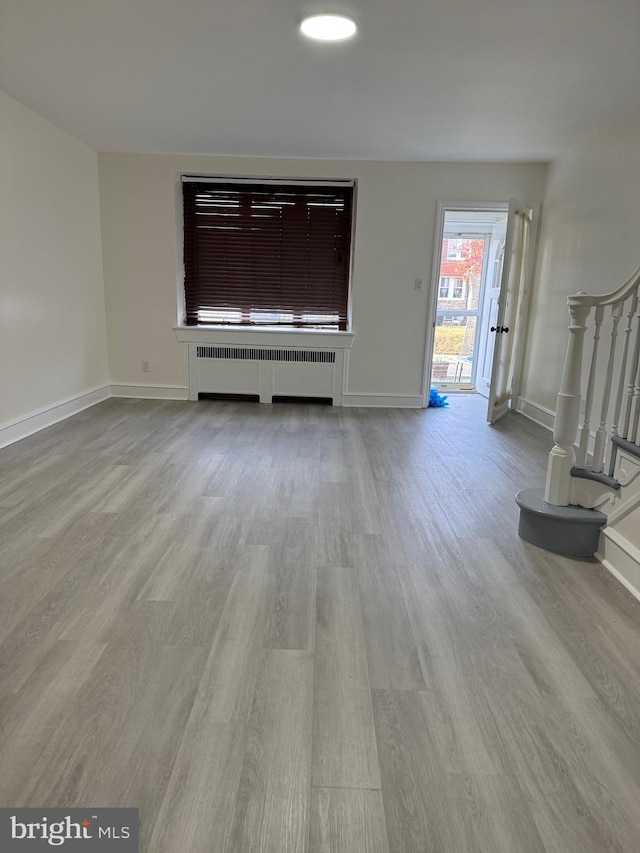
(590, 241)
(52, 317)
(395, 223)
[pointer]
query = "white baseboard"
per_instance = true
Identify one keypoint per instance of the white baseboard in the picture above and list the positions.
(20, 428)
(387, 401)
(621, 558)
(42, 418)
(151, 392)
(536, 413)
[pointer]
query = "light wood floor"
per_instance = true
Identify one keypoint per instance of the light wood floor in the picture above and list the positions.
(294, 628)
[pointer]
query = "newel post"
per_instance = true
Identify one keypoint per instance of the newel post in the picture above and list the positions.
(562, 457)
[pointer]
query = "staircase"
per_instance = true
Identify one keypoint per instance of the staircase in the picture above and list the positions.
(591, 501)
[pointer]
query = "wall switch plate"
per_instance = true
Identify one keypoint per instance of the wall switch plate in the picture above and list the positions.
(145, 366)
(417, 284)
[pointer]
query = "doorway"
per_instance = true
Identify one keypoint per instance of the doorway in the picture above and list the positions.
(468, 270)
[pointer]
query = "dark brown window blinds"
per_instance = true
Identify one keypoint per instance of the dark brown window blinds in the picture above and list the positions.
(266, 254)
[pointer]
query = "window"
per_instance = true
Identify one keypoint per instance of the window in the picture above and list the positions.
(267, 254)
(454, 250)
(452, 288)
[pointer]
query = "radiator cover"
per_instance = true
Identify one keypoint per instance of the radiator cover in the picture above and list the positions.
(266, 371)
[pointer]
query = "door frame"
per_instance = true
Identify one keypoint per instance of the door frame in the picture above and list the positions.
(441, 209)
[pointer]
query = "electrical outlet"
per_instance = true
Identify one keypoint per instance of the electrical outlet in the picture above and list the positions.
(145, 366)
(417, 284)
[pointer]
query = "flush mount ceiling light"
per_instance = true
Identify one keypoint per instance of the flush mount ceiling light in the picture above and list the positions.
(328, 27)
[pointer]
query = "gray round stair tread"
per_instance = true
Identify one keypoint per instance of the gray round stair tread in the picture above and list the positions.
(533, 501)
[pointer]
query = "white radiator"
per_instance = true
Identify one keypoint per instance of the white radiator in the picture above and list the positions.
(266, 371)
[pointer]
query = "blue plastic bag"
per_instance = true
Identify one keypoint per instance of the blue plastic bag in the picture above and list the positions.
(436, 400)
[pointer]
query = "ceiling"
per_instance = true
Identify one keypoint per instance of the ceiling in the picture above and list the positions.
(472, 80)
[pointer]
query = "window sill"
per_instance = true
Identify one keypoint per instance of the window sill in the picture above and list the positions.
(265, 336)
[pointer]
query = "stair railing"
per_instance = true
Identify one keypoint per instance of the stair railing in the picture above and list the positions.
(615, 387)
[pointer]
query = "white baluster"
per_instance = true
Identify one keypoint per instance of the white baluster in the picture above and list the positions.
(601, 433)
(581, 460)
(562, 456)
(635, 407)
(635, 437)
(633, 305)
(634, 377)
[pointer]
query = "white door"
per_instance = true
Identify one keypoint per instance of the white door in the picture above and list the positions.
(509, 326)
(490, 298)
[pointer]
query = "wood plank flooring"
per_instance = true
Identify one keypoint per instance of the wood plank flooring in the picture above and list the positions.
(299, 629)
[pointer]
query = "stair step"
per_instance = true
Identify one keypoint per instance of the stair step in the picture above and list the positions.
(586, 474)
(625, 444)
(570, 530)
